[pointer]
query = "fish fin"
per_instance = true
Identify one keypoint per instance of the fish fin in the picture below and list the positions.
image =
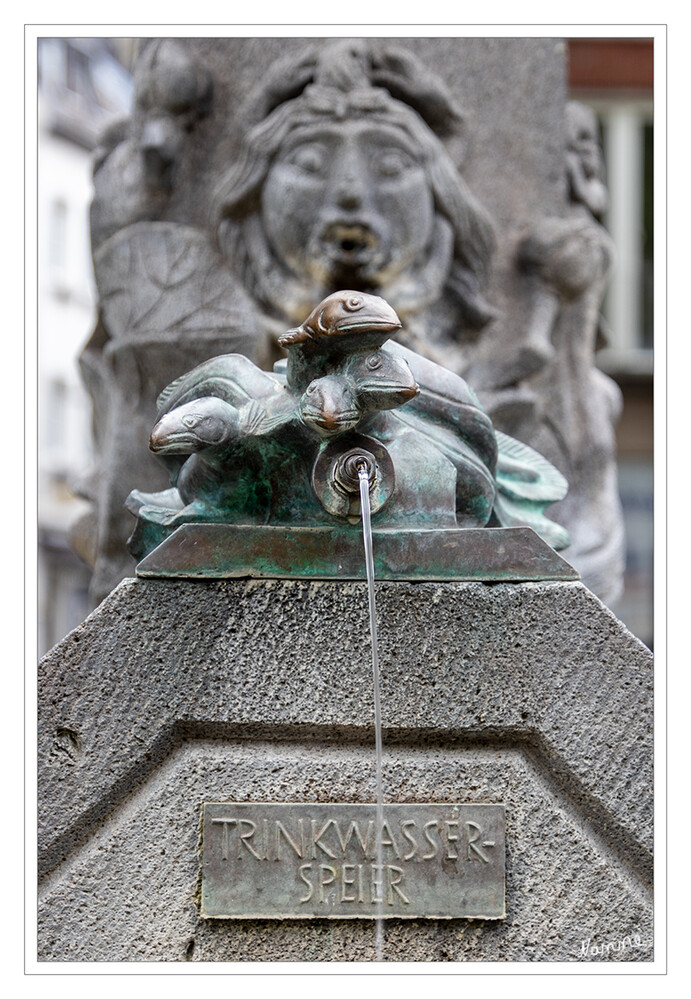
(510, 513)
(169, 390)
(252, 418)
(526, 484)
(524, 474)
(168, 500)
(291, 337)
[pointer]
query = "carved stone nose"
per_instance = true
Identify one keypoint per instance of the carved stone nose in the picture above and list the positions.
(349, 181)
(349, 195)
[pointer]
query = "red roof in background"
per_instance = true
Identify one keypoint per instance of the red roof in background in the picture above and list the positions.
(611, 63)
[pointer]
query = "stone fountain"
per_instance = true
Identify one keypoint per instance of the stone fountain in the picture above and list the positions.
(206, 758)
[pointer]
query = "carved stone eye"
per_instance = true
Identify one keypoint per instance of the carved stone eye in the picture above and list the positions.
(373, 362)
(310, 158)
(353, 304)
(189, 421)
(393, 162)
(310, 390)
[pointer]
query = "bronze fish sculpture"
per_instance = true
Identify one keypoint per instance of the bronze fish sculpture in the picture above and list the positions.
(241, 442)
(345, 312)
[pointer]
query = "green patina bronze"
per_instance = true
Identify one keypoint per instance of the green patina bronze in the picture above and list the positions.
(218, 551)
(273, 455)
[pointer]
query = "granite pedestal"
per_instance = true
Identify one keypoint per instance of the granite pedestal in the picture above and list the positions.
(176, 693)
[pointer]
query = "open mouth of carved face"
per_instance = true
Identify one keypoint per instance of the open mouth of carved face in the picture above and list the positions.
(350, 244)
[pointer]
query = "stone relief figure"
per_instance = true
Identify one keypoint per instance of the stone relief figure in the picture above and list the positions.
(345, 173)
(584, 159)
(166, 297)
(137, 159)
(567, 262)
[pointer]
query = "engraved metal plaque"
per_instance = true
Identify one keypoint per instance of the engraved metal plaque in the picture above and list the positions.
(299, 860)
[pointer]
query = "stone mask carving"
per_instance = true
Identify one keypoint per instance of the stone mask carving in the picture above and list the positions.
(347, 184)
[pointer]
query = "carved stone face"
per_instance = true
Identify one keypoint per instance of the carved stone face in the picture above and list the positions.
(348, 203)
(584, 139)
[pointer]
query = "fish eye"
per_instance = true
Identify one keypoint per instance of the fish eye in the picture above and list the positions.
(189, 421)
(353, 304)
(374, 361)
(310, 390)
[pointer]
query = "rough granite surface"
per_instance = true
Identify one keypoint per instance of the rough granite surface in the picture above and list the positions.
(176, 693)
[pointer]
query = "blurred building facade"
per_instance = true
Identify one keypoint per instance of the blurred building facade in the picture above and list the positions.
(84, 84)
(615, 77)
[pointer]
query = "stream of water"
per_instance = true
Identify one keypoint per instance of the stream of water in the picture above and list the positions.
(379, 821)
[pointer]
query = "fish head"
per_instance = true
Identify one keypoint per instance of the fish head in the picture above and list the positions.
(329, 406)
(342, 313)
(196, 426)
(382, 380)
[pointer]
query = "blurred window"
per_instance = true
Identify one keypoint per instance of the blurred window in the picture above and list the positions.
(627, 136)
(78, 75)
(615, 76)
(57, 234)
(55, 414)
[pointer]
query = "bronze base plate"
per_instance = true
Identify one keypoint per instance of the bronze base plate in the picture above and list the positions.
(217, 551)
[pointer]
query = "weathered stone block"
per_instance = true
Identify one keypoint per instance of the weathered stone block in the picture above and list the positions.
(176, 693)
